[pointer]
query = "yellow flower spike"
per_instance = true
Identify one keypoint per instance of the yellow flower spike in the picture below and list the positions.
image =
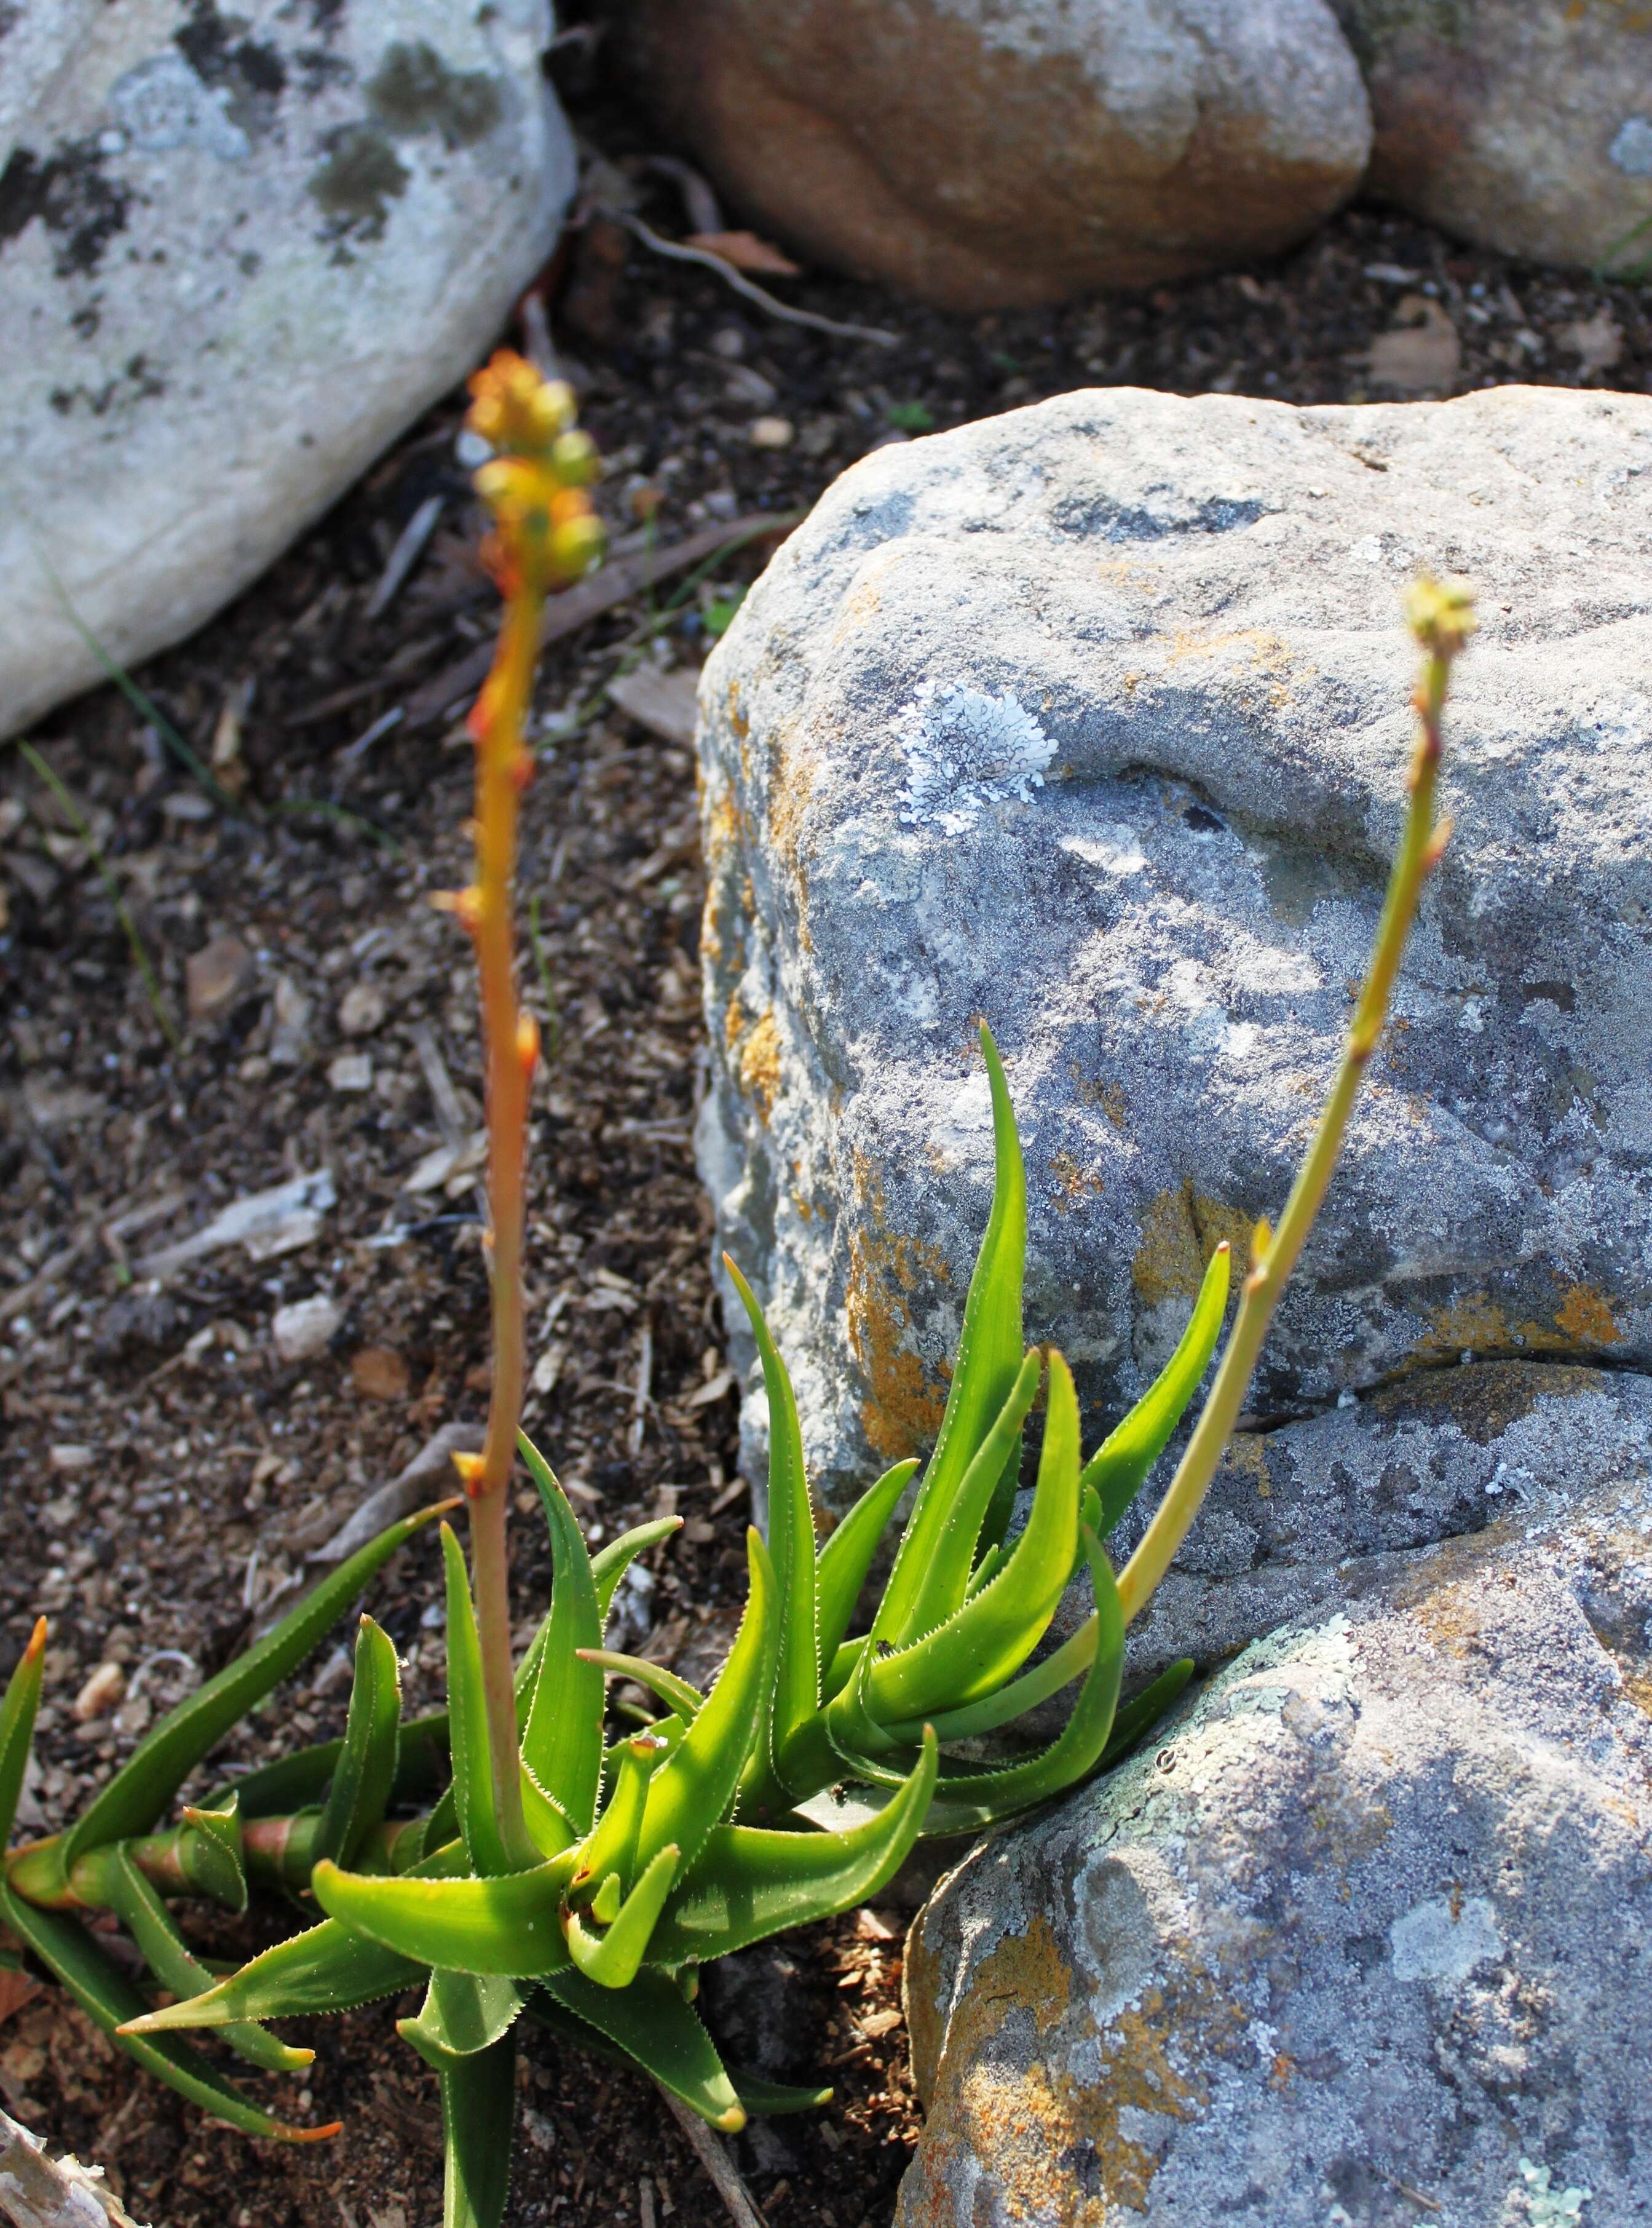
(574, 459)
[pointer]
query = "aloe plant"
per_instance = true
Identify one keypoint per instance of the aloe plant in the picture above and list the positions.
(506, 1854)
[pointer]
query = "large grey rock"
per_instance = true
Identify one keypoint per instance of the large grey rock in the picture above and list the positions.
(1520, 127)
(1361, 1940)
(980, 153)
(1094, 719)
(1294, 1517)
(238, 254)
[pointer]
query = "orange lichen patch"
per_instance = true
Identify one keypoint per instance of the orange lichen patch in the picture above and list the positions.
(737, 718)
(1248, 1453)
(724, 828)
(1089, 1090)
(1583, 1323)
(759, 1064)
(1074, 1183)
(905, 1401)
(1585, 1315)
(734, 1023)
(1267, 654)
(1179, 1232)
(1026, 2119)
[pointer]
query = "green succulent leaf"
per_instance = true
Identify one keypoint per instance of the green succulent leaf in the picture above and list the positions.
(562, 1739)
(462, 2014)
(684, 1700)
(750, 1882)
(467, 1720)
(478, 2121)
(326, 1969)
(847, 1556)
(766, 2100)
(210, 1853)
(945, 1583)
(141, 1789)
(791, 1541)
(137, 1903)
(110, 2000)
(1137, 1717)
(989, 1359)
(695, 1785)
(1116, 1470)
(995, 1631)
(655, 2026)
(610, 1563)
(966, 1801)
(509, 1923)
(18, 1725)
(612, 1959)
(367, 1764)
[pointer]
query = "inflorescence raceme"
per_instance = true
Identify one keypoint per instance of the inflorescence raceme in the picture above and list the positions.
(517, 1856)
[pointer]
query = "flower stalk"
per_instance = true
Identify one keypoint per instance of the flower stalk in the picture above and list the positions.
(545, 535)
(1440, 616)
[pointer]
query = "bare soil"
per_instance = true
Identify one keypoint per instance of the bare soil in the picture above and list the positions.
(167, 1472)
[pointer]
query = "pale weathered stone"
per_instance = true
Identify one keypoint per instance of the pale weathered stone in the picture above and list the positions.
(1360, 1938)
(1519, 127)
(238, 254)
(979, 154)
(1294, 1517)
(1094, 719)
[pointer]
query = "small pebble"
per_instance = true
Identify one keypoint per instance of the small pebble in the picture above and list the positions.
(378, 1372)
(67, 1460)
(361, 1009)
(770, 432)
(303, 1329)
(101, 1693)
(351, 1071)
(217, 975)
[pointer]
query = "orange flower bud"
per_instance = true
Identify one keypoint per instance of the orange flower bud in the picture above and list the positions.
(527, 1045)
(469, 1468)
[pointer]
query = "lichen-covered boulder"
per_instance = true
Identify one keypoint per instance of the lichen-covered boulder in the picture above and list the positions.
(986, 153)
(1362, 1939)
(1093, 720)
(238, 254)
(1294, 1517)
(1522, 125)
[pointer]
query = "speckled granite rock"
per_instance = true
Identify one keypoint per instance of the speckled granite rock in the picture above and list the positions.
(982, 153)
(1519, 127)
(1093, 719)
(1363, 1939)
(1294, 1517)
(238, 254)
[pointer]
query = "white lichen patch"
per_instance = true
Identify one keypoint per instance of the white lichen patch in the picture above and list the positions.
(1444, 1938)
(1544, 2206)
(965, 751)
